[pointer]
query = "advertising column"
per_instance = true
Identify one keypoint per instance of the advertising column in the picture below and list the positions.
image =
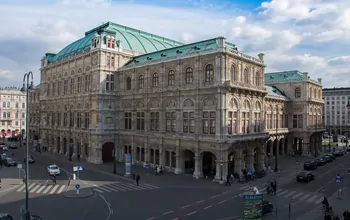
(252, 206)
(128, 161)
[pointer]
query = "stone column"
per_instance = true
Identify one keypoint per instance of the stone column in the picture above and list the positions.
(197, 167)
(238, 162)
(261, 158)
(61, 145)
(54, 146)
(320, 144)
(133, 155)
(250, 159)
(217, 170)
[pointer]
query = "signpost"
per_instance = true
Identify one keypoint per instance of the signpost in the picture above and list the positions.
(77, 187)
(77, 169)
(19, 166)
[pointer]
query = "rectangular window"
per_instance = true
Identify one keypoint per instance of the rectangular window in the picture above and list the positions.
(257, 118)
(108, 61)
(107, 86)
(58, 119)
(79, 84)
(53, 89)
(53, 119)
(72, 87)
(71, 119)
(87, 120)
(170, 118)
(65, 87)
(78, 119)
(112, 61)
(229, 123)
(65, 119)
(140, 120)
(209, 122)
(286, 121)
(295, 121)
(154, 121)
(300, 121)
(188, 122)
(48, 90)
(297, 92)
(245, 123)
(59, 88)
(127, 120)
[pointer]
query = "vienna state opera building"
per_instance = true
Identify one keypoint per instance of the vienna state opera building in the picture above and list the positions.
(203, 108)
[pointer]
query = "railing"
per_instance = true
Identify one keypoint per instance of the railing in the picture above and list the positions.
(247, 57)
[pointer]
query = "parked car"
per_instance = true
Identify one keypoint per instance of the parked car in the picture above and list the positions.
(310, 165)
(5, 216)
(267, 207)
(13, 146)
(3, 156)
(332, 156)
(327, 158)
(30, 159)
(9, 162)
(320, 161)
(4, 147)
(305, 176)
(339, 154)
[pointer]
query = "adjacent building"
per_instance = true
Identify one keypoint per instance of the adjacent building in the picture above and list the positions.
(203, 108)
(336, 111)
(12, 111)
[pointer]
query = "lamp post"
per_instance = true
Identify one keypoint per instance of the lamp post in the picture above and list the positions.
(114, 136)
(315, 144)
(70, 144)
(20, 127)
(276, 156)
(26, 87)
(329, 132)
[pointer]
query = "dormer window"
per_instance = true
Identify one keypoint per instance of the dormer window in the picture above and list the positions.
(112, 43)
(108, 43)
(179, 52)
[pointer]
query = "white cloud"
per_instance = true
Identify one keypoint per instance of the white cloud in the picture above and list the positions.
(294, 34)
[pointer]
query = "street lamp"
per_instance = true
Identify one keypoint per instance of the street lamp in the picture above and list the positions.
(329, 132)
(315, 144)
(276, 156)
(70, 144)
(114, 136)
(19, 114)
(26, 87)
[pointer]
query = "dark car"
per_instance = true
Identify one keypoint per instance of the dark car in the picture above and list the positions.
(310, 165)
(13, 146)
(332, 156)
(320, 161)
(339, 154)
(327, 158)
(30, 159)
(305, 176)
(35, 217)
(267, 207)
(9, 162)
(5, 216)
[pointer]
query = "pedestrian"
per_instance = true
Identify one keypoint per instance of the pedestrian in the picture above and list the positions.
(1, 163)
(137, 179)
(228, 183)
(0, 183)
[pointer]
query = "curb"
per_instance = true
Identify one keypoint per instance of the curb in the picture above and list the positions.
(91, 193)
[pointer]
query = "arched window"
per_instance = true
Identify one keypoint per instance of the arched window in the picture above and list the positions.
(189, 75)
(310, 93)
(319, 94)
(4, 115)
(8, 114)
(16, 115)
(297, 92)
(23, 115)
(128, 83)
(233, 73)
(141, 82)
(315, 93)
(257, 79)
(246, 76)
(23, 105)
(8, 105)
(171, 78)
(16, 104)
(4, 104)
(155, 80)
(209, 73)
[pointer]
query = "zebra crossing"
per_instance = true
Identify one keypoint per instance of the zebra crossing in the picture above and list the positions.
(38, 188)
(122, 187)
(292, 194)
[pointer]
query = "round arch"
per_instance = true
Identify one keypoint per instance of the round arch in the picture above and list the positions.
(189, 160)
(208, 163)
(107, 152)
(280, 146)
(231, 162)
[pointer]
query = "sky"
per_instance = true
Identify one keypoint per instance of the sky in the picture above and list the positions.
(307, 35)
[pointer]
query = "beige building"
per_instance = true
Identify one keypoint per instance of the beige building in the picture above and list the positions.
(12, 111)
(198, 108)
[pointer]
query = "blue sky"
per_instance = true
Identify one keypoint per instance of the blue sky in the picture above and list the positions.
(308, 35)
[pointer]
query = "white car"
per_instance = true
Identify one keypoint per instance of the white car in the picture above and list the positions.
(53, 170)
(4, 148)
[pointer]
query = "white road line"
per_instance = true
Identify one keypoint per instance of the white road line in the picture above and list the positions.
(207, 207)
(185, 206)
(304, 197)
(200, 201)
(282, 193)
(243, 187)
(104, 188)
(41, 189)
(166, 213)
(35, 188)
(61, 189)
(319, 201)
(54, 189)
(262, 189)
(298, 195)
(31, 186)
(142, 187)
(221, 201)
(100, 191)
(129, 187)
(47, 189)
(21, 188)
(289, 194)
(191, 213)
(312, 198)
(115, 188)
(152, 186)
(279, 190)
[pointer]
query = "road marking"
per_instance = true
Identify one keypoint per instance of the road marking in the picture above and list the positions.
(126, 187)
(234, 196)
(289, 194)
(61, 189)
(54, 189)
(9, 189)
(191, 213)
(98, 190)
(183, 207)
(282, 193)
(175, 218)
(298, 195)
(208, 207)
(115, 188)
(151, 186)
(31, 186)
(279, 190)
(200, 201)
(35, 188)
(41, 189)
(150, 218)
(304, 197)
(213, 197)
(47, 189)
(21, 188)
(105, 188)
(319, 201)
(166, 213)
(222, 201)
(312, 198)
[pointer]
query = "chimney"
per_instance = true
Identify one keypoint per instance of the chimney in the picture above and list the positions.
(305, 75)
(261, 56)
(319, 80)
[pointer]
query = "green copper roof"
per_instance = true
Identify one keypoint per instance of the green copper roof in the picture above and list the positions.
(274, 91)
(130, 39)
(283, 76)
(175, 51)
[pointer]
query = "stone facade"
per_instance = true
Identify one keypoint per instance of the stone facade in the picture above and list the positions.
(201, 108)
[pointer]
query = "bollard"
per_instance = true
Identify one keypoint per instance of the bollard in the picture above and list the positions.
(290, 212)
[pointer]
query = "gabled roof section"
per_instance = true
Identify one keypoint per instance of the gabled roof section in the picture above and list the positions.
(273, 91)
(283, 76)
(175, 51)
(130, 39)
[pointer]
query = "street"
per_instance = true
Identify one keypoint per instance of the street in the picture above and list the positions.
(162, 197)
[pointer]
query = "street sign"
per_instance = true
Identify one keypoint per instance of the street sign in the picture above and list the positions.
(77, 186)
(75, 168)
(19, 166)
(80, 168)
(338, 179)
